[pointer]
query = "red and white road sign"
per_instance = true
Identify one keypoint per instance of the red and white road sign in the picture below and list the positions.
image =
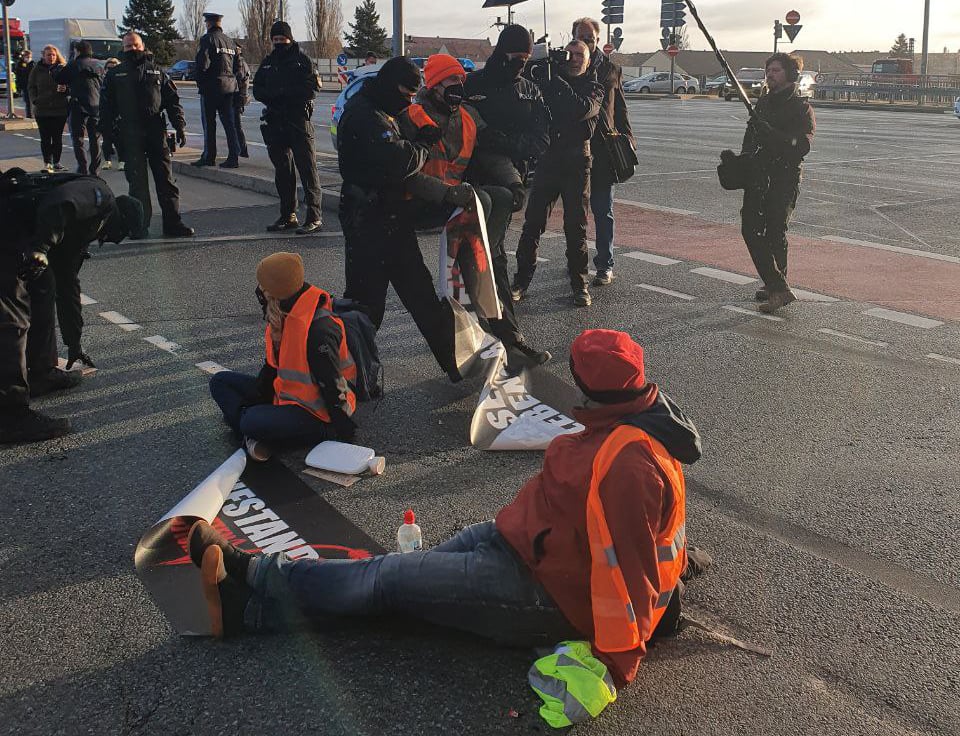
(342, 75)
(793, 17)
(608, 48)
(673, 50)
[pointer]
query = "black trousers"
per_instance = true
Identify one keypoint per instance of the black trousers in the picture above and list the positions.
(382, 249)
(765, 217)
(238, 125)
(65, 263)
(51, 137)
(27, 339)
(211, 106)
(143, 152)
(564, 175)
(291, 150)
(84, 124)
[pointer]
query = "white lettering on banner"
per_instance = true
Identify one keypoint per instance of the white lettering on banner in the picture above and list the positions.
(513, 392)
(263, 527)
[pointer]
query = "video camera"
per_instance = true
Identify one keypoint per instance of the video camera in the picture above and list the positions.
(555, 58)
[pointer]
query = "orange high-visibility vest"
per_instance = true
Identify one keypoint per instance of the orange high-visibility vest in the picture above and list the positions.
(446, 165)
(614, 617)
(294, 383)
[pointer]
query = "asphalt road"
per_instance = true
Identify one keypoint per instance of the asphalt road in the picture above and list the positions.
(827, 492)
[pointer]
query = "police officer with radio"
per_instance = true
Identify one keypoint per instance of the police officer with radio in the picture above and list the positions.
(217, 85)
(136, 100)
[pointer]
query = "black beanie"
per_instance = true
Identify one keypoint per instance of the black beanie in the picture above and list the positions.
(515, 39)
(281, 29)
(398, 70)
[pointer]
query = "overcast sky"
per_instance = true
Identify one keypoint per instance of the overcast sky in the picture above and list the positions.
(744, 25)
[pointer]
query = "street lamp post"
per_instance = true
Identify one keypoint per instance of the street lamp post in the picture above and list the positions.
(926, 37)
(8, 61)
(398, 27)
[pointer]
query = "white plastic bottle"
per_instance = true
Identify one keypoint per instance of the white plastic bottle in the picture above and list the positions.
(409, 537)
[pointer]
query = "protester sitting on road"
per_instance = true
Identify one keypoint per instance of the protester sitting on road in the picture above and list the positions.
(778, 137)
(49, 101)
(303, 393)
(39, 267)
(438, 120)
(592, 547)
(573, 97)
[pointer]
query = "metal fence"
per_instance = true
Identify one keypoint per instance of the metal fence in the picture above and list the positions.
(920, 90)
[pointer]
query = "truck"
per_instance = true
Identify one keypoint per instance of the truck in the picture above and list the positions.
(65, 33)
(18, 42)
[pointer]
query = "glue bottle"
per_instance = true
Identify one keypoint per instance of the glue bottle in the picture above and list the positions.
(409, 538)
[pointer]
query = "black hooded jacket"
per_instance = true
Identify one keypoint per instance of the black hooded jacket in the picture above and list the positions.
(84, 77)
(793, 127)
(216, 59)
(286, 84)
(666, 423)
(137, 93)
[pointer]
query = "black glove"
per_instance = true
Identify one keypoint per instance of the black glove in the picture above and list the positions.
(461, 195)
(428, 135)
(32, 265)
(181, 138)
(75, 354)
(519, 197)
(762, 127)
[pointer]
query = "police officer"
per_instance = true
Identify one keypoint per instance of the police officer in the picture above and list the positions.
(778, 136)
(217, 85)
(135, 98)
(376, 164)
(50, 232)
(241, 99)
(84, 78)
(286, 84)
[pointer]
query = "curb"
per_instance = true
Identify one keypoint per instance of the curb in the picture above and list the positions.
(18, 124)
(883, 107)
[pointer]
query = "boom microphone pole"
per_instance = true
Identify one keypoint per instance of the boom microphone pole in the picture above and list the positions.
(723, 61)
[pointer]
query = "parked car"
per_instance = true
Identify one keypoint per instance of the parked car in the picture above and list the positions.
(714, 83)
(183, 70)
(807, 84)
(660, 82)
(693, 84)
(956, 107)
(753, 81)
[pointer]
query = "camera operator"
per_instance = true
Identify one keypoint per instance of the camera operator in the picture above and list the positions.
(574, 97)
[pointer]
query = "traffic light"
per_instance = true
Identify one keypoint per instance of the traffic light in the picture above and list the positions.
(612, 12)
(672, 13)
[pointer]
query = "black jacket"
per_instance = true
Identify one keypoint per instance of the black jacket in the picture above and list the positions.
(372, 153)
(242, 74)
(216, 54)
(286, 84)
(574, 104)
(793, 127)
(73, 215)
(137, 94)
(84, 77)
(21, 72)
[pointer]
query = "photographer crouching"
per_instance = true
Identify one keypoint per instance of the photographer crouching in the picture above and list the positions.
(573, 97)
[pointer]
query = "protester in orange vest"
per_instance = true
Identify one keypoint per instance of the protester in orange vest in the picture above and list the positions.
(304, 393)
(529, 577)
(441, 120)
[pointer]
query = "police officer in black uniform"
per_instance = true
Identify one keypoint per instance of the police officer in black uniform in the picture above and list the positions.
(40, 256)
(286, 84)
(217, 85)
(378, 225)
(136, 96)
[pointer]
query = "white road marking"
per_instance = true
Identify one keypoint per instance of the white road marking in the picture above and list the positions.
(85, 300)
(944, 358)
(639, 255)
(752, 313)
(655, 207)
(124, 323)
(728, 276)
(163, 343)
(871, 186)
(812, 296)
(208, 366)
(668, 292)
(893, 249)
(903, 318)
(227, 238)
(845, 336)
(539, 259)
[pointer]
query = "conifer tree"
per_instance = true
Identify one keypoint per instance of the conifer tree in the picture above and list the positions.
(366, 32)
(153, 19)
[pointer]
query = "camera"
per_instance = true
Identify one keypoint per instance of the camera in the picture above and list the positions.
(172, 142)
(558, 56)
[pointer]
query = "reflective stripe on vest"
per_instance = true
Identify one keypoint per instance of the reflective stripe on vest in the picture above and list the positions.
(448, 166)
(294, 383)
(614, 617)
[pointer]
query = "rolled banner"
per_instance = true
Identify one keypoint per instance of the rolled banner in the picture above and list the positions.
(205, 501)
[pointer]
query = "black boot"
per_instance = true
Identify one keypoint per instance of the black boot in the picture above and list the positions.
(178, 230)
(310, 227)
(518, 290)
(284, 222)
(530, 355)
(202, 536)
(26, 425)
(226, 599)
(55, 379)
(230, 163)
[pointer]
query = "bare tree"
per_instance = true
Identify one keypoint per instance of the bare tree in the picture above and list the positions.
(324, 23)
(257, 16)
(191, 19)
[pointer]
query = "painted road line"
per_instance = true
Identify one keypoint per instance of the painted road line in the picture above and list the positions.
(944, 358)
(208, 366)
(592, 245)
(893, 249)
(639, 255)
(85, 300)
(903, 318)
(728, 276)
(812, 296)
(668, 292)
(845, 336)
(163, 343)
(229, 238)
(124, 323)
(539, 259)
(655, 207)
(752, 313)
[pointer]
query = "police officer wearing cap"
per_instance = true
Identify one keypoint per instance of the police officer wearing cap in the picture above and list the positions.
(217, 85)
(136, 100)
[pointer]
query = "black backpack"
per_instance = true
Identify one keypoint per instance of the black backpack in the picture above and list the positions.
(19, 194)
(362, 344)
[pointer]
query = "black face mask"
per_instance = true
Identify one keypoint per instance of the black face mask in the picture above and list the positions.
(514, 67)
(134, 56)
(281, 47)
(453, 96)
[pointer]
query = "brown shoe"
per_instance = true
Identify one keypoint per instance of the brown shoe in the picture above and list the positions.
(776, 300)
(226, 599)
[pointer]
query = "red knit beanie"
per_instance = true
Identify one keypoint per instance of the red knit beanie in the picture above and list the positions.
(440, 67)
(607, 365)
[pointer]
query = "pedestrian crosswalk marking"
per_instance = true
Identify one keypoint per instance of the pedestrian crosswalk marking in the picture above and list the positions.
(904, 318)
(728, 276)
(639, 255)
(85, 300)
(855, 338)
(753, 313)
(163, 343)
(209, 366)
(124, 323)
(668, 292)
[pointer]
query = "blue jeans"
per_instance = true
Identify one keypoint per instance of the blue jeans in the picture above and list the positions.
(239, 398)
(601, 204)
(474, 582)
